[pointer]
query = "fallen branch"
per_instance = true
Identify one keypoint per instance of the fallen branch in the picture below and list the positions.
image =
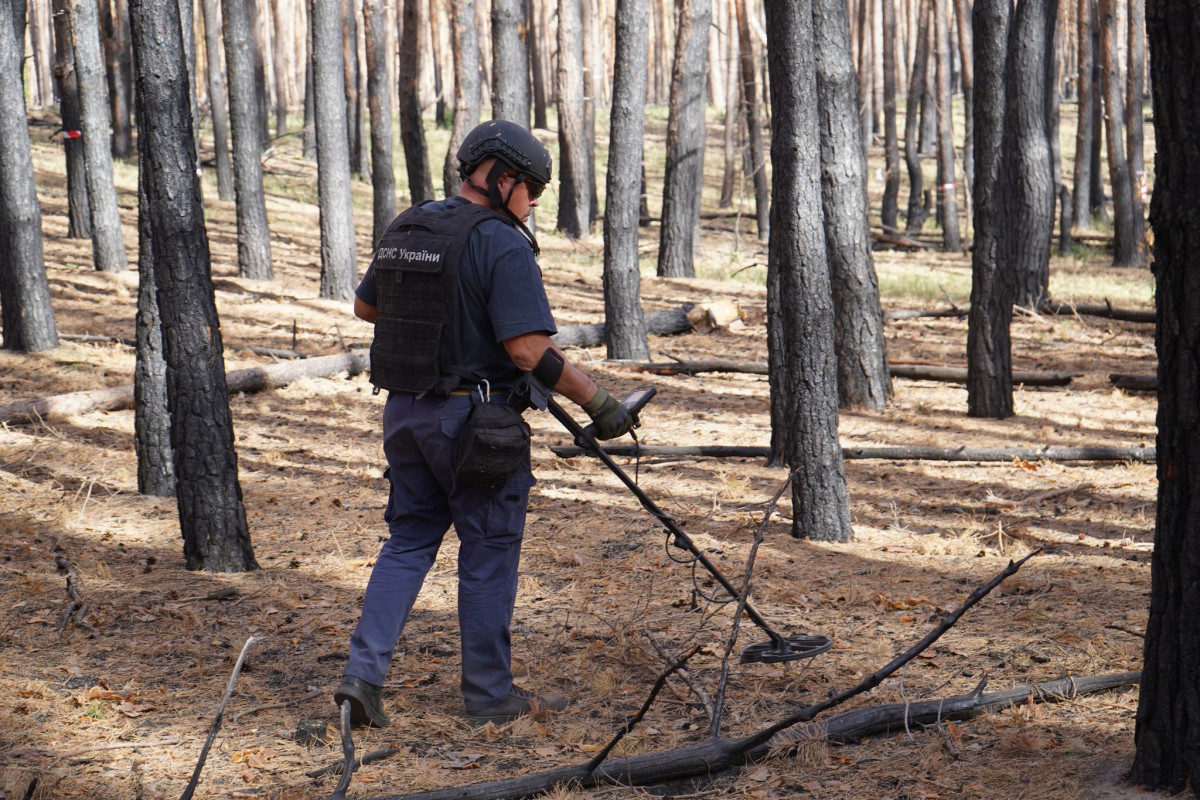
(216, 725)
(979, 454)
(1108, 310)
(240, 380)
(348, 754)
(909, 371)
(1134, 383)
(282, 704)
(709, 757)
(77, 607)
(340, 767)
(662, 323)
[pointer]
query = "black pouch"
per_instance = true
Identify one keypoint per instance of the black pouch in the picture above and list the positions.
(493, 446)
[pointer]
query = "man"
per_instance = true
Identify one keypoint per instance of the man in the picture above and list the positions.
(460, 312)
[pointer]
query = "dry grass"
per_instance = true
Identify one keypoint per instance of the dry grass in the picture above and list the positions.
(120, 709)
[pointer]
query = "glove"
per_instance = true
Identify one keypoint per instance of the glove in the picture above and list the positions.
(610, 417)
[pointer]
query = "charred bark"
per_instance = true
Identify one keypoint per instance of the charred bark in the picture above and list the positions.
(412, 130)
(1127, 237)
(625, 335)
(574, 190)
(890, 209)
(915, 217)
(211, 515)
(333, 153)
(1167, 738)
(379, 95)
(79, 221)
(216, 97)
(862, 375)
(946, 184)
(683, 181)
(750, 113)
(26, 317)
(803, 380)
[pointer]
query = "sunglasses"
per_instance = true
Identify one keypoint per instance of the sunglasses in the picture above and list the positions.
(534, 188)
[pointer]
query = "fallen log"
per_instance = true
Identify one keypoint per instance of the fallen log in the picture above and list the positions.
(908, 371)
(713, 756)
(239, 380)
(1003, 454)
(1134, 383)
(660, 323)
(1107, 310)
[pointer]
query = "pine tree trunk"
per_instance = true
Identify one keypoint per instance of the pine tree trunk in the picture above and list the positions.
(537, 77)
(1084, 130)
(915, 216)
(115, 40)
(803, 374)
(412, 130)
(1167, 739)
(26, 317)
(750, 113)
(253, 235)
(625, 325)
(350, 71)
(890, 209)
(510, 62)
(216, 97)
(466, 87)
(379, 94)
(683, 181)
(79, 221)
(962, 18)
(862, 371)
(151, 417)
(309, 140)
(1028, 172)
(1126, 226)
(947, 185)
(333, 152)
(282, 27)
(732, 96)
(989, 356)
(1134, 124)
(108, 245)
(211, 515)
(574, 193)
(254, 10)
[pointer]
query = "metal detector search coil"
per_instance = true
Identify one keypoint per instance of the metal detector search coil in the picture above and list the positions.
(779, 648)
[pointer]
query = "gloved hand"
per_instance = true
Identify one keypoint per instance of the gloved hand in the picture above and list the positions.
(611, 418)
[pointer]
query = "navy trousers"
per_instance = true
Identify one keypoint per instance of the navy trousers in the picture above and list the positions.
(418, 439)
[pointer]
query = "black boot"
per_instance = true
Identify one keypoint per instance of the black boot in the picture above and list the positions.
(366, 707)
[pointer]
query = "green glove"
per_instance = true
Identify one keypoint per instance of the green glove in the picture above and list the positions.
(611, 418)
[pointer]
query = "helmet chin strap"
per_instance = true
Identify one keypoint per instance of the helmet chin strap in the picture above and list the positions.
(501, 203)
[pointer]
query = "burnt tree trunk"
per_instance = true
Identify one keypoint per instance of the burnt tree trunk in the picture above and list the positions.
(412, 130)
(1028, 175)
(79, 222)
(1082, 199)
(108, 245)
(890, 210)
(803, 375)
(379, 96)
(915, 218)
(537, 71)
(211, 12)
(112, 20)
(989, 356)
(732, 95)
(354, 137)
(1167, 738)
(1134, 127)
(26, 317)
(281, 31)
(947, 192)
(625, 331)
(253, 236)
(574, 189)
(466, 87)
(966, 48)
(683, 181)
(151, 414)
(333, 152)
(862, 371)
(211, 515)
(510, 62)
(1126, 226)
(750, 113)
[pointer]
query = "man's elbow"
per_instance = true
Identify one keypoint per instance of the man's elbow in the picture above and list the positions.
(365, 311)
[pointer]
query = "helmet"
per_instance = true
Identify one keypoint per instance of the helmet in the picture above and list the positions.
(510, 143)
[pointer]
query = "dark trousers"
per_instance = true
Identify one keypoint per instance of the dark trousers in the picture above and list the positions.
(418, 439)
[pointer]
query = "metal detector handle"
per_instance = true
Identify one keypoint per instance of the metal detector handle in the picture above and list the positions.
(634, 402)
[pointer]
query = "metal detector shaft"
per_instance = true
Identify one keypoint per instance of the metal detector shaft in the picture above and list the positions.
(588, 442)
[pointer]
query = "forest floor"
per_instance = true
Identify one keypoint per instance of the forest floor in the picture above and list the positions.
(118, 704)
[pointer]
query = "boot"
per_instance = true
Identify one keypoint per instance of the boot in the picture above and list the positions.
(366, 705)
(518, 702)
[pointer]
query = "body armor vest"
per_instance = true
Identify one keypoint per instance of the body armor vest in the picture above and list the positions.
(418, 335)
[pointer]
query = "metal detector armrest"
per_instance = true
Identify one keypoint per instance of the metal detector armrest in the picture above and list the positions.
(634, 402)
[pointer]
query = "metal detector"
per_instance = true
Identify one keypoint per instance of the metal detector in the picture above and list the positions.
(779, 648)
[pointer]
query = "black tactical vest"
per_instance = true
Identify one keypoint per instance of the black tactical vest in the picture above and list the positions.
(418, 336)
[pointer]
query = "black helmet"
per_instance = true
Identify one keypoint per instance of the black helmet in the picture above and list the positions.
(508, 142)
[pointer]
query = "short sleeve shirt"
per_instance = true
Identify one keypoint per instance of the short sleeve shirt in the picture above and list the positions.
(502, 294)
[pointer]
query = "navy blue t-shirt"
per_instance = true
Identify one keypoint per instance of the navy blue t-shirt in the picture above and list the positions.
(502, 294)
